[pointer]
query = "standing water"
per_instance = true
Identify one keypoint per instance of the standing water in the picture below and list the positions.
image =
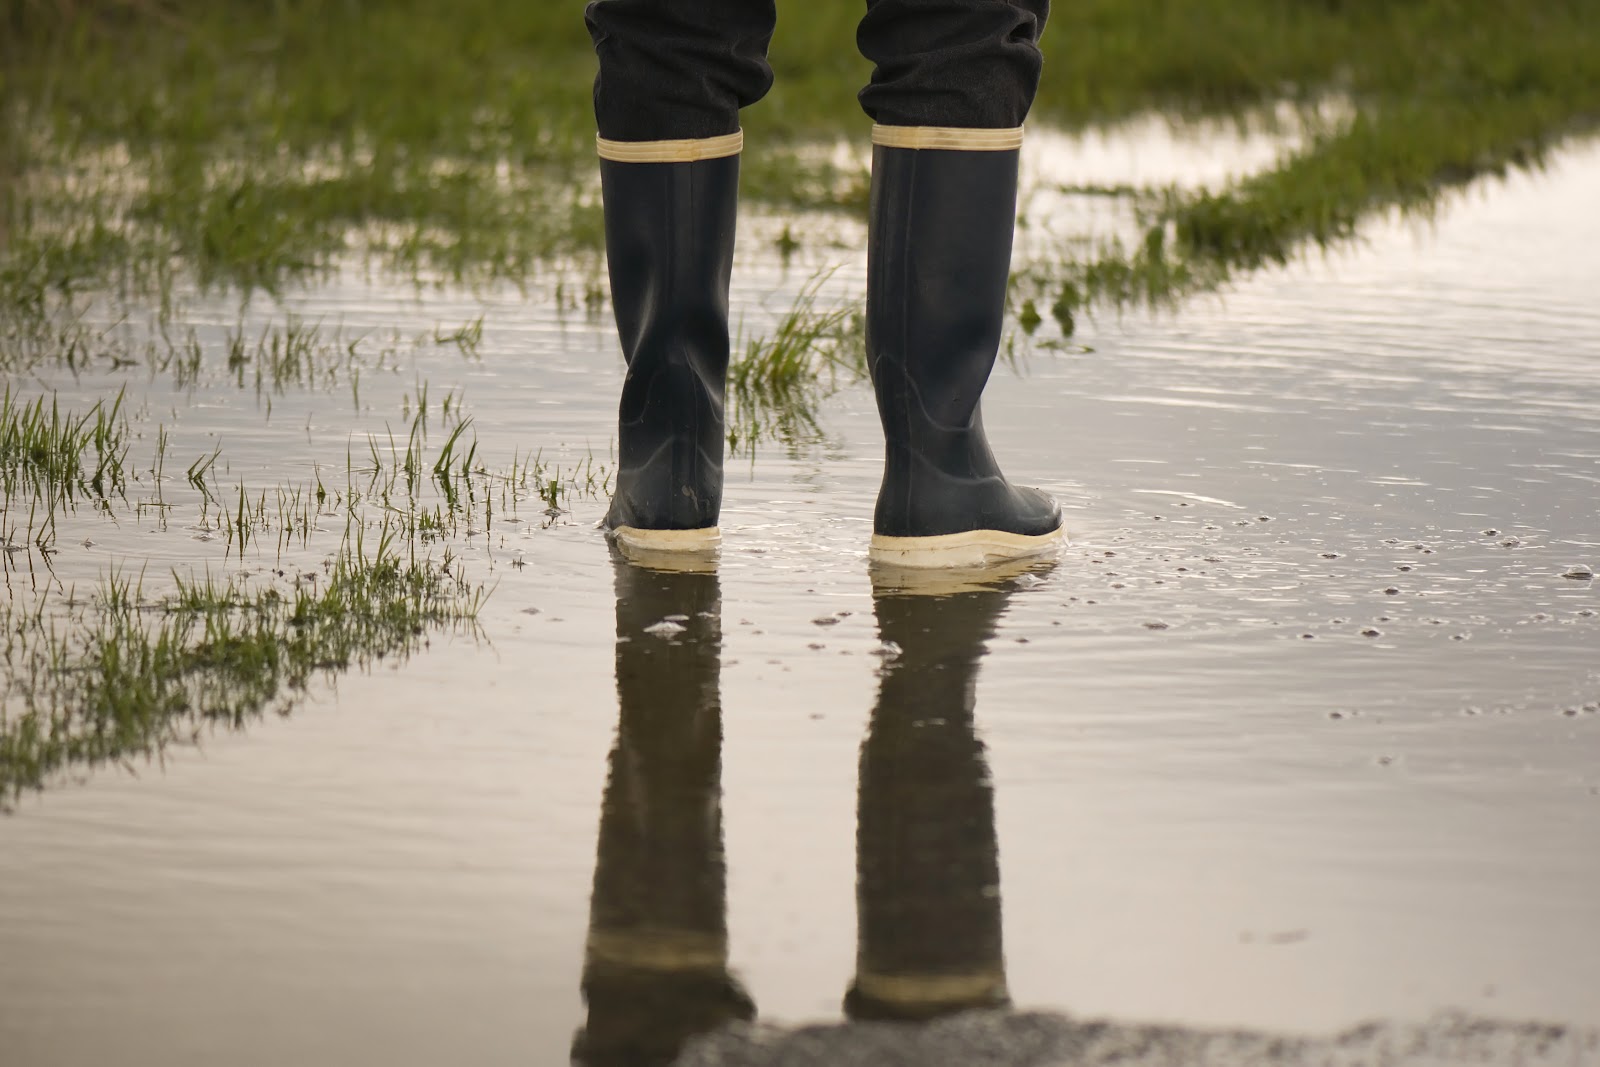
(1301, 730)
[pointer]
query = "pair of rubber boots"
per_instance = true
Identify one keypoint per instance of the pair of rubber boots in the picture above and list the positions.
(939, 257)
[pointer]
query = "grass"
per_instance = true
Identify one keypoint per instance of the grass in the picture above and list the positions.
(778, 382)
(56, 459)
(457, 492)
(255, 143)
(52, 459)
(119, 676)
(63, 454)
(123, 678)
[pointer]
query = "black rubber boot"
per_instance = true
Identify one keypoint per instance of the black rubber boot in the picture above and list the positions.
(669, 247)
(939, 257)
(655, 969)
(927, 861)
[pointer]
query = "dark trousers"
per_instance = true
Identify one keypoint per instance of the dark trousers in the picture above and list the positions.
(672, 69)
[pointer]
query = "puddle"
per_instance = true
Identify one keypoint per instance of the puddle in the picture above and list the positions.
(1300, 731)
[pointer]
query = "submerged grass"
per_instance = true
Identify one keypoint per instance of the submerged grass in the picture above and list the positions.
(50, 460)
(119, 679)
(53, 459)
(777, 383)
(60, 454)
(1402, 155)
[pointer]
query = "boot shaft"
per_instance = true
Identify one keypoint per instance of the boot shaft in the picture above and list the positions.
(669, 249)
(938, 261)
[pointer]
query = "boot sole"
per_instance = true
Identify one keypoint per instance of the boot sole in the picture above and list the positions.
(974, 548)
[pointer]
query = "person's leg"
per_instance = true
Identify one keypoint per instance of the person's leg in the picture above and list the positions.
(954, 80)
(673, 76)
(964, 64)
(678, 69)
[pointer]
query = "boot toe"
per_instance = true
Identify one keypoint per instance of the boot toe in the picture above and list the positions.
(1034, 513)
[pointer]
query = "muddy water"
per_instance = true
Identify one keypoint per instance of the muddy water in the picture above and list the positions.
(1300, 730)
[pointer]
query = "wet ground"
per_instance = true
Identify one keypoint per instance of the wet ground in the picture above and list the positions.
(1302, 730)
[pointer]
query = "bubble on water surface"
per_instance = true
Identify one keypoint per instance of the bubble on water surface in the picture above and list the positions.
(1580, 572)
(665, 628)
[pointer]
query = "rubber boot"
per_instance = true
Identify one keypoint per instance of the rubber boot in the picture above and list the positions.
(655, 969)
(938, 259)
(927, 861)
(670, 209)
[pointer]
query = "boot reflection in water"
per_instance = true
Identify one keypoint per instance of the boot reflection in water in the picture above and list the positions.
(927, 863)
(656, 963)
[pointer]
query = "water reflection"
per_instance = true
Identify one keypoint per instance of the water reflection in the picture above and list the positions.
(656, 961)
(927, 863)
(928, 876)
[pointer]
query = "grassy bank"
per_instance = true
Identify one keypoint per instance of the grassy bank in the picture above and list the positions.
(255, 142)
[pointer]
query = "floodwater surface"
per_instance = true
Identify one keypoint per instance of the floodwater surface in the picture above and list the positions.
(1302, 729)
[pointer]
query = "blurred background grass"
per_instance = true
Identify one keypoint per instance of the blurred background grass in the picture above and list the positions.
(475, 75)
(249, 139)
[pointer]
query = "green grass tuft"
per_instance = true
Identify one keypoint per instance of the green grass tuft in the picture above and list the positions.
(123, 679)
(777, 384)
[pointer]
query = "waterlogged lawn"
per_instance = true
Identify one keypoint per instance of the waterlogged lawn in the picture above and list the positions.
(254, 144)
(155, 155)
